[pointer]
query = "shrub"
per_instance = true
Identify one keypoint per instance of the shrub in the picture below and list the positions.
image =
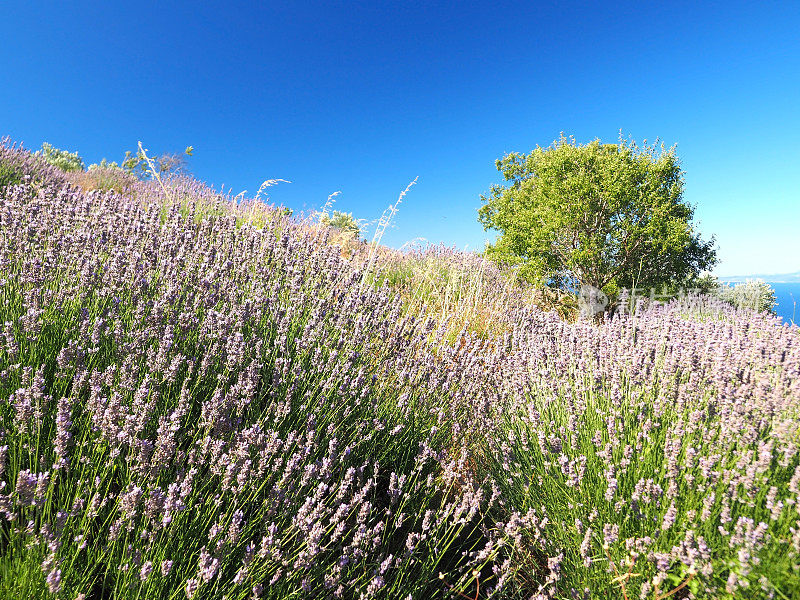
(345, 222)
(754, 294)
(105, 164)
(62, 159)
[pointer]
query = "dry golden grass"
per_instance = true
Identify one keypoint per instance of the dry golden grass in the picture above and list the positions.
(103, 179)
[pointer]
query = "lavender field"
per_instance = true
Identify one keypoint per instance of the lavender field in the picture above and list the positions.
(208, 399)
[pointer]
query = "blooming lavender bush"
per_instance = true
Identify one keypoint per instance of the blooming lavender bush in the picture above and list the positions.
(198, 408)
(202, 399)
(653, 454)
(18, 166)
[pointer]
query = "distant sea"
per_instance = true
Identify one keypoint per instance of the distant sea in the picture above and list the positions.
(788, 296)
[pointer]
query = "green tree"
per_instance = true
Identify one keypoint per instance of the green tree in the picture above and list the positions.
(610, 216)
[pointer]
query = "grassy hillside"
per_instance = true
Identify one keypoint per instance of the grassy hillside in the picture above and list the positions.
(206, 399)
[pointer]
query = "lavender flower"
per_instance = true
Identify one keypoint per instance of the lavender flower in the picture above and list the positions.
(54, 581)
(192, 585)
(166, 567)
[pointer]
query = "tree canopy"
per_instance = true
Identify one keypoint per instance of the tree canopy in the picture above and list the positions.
(611, 216)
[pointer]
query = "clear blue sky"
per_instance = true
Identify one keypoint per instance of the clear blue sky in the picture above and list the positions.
(364, 96)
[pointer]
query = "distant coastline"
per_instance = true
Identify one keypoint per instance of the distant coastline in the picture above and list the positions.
(782, 278)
